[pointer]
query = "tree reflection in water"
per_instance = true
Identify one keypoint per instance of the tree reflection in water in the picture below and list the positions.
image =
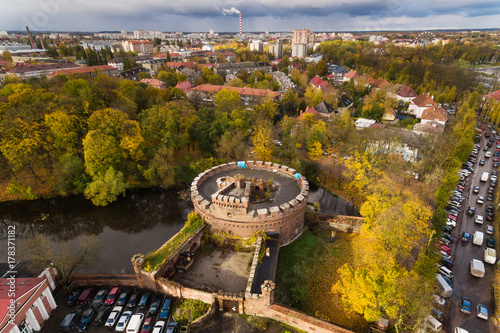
(141, 222)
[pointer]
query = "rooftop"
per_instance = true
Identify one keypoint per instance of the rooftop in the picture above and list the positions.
(288, 187)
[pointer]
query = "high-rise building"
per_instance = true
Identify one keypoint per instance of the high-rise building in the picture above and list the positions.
(139, 46)
(257, 45)
(276, 50)
(211, 31)
(299, 50)
(302, 36)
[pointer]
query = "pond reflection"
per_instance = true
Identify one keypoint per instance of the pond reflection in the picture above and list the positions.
(138, 223)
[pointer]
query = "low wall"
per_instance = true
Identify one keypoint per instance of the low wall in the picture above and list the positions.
(178, 290)
(340, 223)
(302, 321)
(206, 317)
(105, 280)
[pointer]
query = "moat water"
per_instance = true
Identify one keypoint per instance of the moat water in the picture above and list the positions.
(138, 223)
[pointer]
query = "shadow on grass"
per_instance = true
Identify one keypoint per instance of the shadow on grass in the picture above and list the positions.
(307, 270)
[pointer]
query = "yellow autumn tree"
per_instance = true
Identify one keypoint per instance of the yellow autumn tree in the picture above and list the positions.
(262, 143)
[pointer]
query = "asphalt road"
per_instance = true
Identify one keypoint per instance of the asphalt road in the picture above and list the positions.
(478, 290)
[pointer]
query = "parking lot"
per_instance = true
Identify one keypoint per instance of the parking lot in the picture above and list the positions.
(479, 290)
(57, 316)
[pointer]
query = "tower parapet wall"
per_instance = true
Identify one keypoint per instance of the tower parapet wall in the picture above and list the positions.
(237, 216)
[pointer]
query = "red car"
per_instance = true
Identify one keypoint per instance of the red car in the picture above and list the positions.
(443, 248)
(146, 328)
(113, 295)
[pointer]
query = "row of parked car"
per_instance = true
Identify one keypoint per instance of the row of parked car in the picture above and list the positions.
(445, 273)
(115, 309)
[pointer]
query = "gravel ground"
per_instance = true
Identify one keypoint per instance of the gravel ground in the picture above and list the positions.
(217, 268)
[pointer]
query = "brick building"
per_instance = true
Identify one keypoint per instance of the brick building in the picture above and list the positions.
(25, 303)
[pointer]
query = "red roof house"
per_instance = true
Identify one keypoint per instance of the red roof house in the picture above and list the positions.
(312, 111)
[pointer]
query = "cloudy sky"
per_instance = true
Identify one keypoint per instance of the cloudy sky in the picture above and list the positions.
(258, 15)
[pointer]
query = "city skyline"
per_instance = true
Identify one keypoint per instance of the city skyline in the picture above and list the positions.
(260, 15)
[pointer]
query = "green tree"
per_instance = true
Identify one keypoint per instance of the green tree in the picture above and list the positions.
(227, 100)
(106, 187)
(102, 151)
(322, 68)
(232, 146)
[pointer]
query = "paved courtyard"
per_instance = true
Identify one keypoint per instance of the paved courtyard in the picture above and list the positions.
(216, 268)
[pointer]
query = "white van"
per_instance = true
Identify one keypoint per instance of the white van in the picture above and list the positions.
(434, 324)
(446, 272)
(490, 255)
(460, 330)
(476, 268)
(134, 325)
(485, 176)
(478, 238)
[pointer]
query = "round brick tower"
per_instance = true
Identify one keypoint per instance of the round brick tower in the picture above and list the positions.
(245, 197)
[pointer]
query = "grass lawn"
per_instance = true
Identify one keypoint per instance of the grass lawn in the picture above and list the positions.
(154, 260)
(307, 270)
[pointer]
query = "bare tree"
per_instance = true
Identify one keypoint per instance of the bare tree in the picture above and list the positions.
(42, 252)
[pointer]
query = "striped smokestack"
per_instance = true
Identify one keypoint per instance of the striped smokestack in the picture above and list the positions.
(240, 24)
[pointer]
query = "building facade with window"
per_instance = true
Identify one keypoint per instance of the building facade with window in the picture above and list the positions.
(25, 303)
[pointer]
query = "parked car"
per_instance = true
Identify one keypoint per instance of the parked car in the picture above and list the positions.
(123, 298)
(113, 316)
(438, 300)
(482, 311)
(165, 310)
(480, 199)
(74, 296)
(86, 295)
(465, 305)
(489, 229)
(99, 297)
(70, 321)
(446, 263)
(102, 315)
(476, 189)
(447, 236)
(451, 223)
(155, 305)
(123, 321)
(490, 242)
(144, 301)
(471, 210)
(490, 216)
(146, 328)
(172, 327)
(113, 295)
(447, 280)
(134, 299)
(159, 326)
(479, 219)
(86, 320)
(490, 197)
(466, 237)
(447, 229)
